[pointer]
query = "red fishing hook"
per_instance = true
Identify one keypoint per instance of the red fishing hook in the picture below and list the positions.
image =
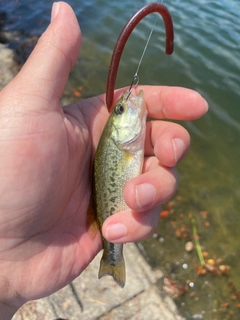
(126, 32)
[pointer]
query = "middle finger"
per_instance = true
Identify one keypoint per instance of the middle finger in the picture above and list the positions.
(168, 141)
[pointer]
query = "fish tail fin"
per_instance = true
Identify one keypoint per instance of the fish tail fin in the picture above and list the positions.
(117, 271)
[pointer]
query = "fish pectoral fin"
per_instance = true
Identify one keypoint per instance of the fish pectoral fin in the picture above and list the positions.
(117, 271)
(92, 225)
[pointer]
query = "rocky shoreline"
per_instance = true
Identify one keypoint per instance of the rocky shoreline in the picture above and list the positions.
(9, 66)
(15, 47)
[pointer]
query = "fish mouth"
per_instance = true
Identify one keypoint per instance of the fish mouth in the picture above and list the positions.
(139, 106)
(143, 110)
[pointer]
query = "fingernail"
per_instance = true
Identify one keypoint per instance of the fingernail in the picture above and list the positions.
(116, 231)
(55, 9)
(178, 147)
(145, 195)
(206, 105)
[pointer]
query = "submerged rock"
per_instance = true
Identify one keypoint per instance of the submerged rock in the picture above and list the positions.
(8, 65)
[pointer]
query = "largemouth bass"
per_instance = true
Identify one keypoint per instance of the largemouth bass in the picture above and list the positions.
(119, 157)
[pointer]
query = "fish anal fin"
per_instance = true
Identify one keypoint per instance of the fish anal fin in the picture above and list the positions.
(92, 224)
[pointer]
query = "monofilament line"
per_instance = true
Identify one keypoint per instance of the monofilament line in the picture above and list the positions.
(135, 77)
(144, 50)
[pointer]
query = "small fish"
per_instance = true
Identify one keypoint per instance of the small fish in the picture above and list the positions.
(119, 158)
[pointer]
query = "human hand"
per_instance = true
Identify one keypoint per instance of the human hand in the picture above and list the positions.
(45, 167)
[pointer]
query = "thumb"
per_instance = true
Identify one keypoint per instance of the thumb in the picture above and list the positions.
(46, 71)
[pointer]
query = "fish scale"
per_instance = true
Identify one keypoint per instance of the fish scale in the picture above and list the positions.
(118, 158)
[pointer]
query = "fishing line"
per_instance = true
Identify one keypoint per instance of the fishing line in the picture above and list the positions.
(135, 80)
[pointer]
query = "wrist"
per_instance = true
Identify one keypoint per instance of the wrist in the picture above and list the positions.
(7, 306)
(7, 311)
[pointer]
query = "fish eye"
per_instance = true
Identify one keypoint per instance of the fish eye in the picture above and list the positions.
(119, 109)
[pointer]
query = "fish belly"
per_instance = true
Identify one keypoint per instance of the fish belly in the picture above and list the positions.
(113, 168)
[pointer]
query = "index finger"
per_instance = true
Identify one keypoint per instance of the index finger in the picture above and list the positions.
(174, 103)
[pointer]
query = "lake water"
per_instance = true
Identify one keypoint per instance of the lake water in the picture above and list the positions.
(207, 59)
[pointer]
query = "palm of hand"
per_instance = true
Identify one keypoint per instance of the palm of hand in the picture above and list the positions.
(49, 157)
